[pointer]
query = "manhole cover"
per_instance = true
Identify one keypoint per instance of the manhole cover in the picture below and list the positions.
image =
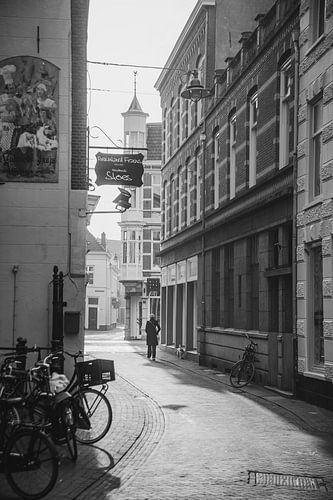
(287, 480)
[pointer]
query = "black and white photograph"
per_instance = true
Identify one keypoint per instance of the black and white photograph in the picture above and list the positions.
(166, 249)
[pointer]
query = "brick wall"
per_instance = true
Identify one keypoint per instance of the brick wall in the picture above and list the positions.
(79, 20)
(265, 73)
(154, 141)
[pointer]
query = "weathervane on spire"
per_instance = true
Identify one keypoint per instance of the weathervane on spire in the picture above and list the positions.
(135, 73)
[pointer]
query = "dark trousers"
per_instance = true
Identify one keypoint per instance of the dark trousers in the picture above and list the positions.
(151, 351)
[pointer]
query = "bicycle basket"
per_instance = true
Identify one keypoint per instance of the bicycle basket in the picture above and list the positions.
(95, 372)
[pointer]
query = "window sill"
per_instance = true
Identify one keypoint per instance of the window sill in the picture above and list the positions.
(317, 375)
(317, 201)
(315, 44)
(277, 271)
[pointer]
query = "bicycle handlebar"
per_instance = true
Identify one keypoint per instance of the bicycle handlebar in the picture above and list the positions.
(247, 336)
(76, 355)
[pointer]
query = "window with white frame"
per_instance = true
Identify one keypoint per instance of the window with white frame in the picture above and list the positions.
(198, 183)
(164, 136)
(253, 104)
(174, 124)
(127, 139)
(90, 275)
(151, 245)
(164, 217)
(232, 155)
(178, 198)
(134, 139)
(186, 180)
(191, 198)
(178, 118)
(316, 123)
(134, 197)
(151, 193)
(194, 114)
(189, 184)
(124, 240)
(194, 182)
(170, 129)
(173, 208)
(285, 102)
(130, 245)
(185, 118)
(215, 157)
(317, 18)
(200, 68)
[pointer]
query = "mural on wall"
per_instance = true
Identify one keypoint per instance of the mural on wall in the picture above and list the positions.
(29, 101)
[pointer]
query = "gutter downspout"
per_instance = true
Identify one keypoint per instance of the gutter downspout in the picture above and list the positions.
(295, 38)
(203, 226)
(14, 271)
(203, 142)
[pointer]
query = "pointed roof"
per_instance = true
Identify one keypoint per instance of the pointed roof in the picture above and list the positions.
(134, 108)
(135, 105)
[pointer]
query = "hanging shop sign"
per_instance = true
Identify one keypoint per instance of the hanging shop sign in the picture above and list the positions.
(124, 170)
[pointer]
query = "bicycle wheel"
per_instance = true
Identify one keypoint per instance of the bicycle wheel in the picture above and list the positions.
(94, 405)
(31, 463)
(241, 373)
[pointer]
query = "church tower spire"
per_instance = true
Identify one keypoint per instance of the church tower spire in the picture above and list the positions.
(135, 122)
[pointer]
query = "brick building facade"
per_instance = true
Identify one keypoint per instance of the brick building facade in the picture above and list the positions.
(227, 198)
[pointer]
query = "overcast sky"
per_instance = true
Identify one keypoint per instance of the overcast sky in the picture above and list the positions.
(126, 32)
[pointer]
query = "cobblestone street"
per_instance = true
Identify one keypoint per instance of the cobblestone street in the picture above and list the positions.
(180, 431)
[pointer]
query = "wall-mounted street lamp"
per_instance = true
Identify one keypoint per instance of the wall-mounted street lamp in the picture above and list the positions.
(195, 91)
(122, 200)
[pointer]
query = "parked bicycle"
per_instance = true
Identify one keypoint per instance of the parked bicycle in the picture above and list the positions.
(27, 456)
(242, 372)
(94, 411)
(56, 408)
(39, 404)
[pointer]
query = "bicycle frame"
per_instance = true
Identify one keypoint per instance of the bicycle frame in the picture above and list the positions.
(249, 352)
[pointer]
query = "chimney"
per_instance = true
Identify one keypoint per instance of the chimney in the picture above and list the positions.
(103, 240)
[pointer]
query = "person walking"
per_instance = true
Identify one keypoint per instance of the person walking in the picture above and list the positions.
(152, 330)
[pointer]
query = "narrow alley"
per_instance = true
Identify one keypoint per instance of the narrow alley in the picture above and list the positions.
(206, 437)
(180, 431)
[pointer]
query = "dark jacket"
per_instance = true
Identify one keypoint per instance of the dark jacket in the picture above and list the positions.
(152, 329)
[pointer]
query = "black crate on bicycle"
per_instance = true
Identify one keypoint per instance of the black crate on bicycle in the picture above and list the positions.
(95, 372)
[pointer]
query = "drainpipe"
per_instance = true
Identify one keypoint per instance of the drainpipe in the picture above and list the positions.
(14, 271)
(295, 39)
(203, 227)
